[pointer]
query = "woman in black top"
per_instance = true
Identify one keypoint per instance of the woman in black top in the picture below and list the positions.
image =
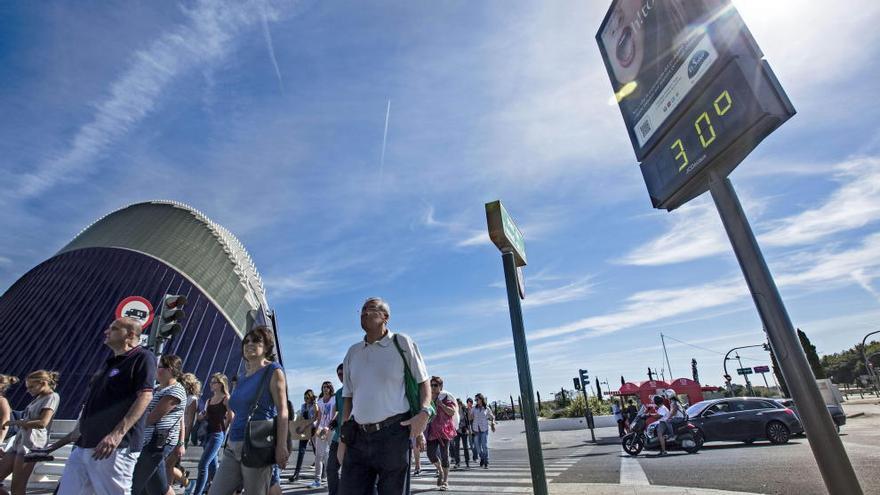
(218, 416)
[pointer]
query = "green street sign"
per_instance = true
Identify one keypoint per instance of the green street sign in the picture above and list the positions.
(504, 232)
(744, 371)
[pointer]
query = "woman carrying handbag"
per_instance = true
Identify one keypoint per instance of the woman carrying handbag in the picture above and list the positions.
(259, 403)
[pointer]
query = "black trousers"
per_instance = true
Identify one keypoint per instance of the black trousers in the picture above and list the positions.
(454, 451)
(333, 469)
(377, 463)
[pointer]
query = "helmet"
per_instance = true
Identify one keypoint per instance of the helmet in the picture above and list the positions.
(658, 400)
(669, 393)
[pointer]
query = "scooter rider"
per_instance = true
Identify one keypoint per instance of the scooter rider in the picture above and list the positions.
(667, 417)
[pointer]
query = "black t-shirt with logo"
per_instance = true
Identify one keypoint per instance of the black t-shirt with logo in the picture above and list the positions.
(111, 394)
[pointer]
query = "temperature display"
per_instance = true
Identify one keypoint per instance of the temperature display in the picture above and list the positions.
(731, 114)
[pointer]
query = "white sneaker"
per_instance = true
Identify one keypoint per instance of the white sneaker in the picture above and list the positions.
(315, 484)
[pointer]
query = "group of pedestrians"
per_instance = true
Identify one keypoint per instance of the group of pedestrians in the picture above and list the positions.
(130, 433)
(139, 410)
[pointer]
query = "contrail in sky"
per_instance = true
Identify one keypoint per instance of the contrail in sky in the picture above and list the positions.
(268, 36)
(384, 139)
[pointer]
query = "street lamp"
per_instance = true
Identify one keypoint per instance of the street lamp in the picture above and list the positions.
(868, 363)
(727, 375)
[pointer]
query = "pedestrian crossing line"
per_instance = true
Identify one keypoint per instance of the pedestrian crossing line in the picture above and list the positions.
(453, 487)
(631, 472)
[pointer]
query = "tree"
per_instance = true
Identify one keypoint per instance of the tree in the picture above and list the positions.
(779, 377)
(694, 371)
(598, 389)
(812, 356)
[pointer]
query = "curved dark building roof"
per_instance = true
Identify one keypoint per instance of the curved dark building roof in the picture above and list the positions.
(55, 315)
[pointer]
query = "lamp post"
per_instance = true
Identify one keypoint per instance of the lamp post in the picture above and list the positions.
(727, 357)
(868, 363)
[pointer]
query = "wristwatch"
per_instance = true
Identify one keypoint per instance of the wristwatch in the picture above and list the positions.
(430, 410)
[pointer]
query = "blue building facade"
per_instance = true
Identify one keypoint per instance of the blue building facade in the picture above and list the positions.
(55, 315)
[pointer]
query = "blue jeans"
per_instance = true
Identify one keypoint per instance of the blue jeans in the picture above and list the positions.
(209, 461)
(481, 442)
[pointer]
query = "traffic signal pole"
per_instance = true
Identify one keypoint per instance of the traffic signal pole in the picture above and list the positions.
(831, 457)
(527, 409)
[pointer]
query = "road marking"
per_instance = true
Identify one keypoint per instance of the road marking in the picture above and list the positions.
(631, 472)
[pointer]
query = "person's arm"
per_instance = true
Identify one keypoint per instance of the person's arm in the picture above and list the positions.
(278, 386)
(447, 409)
(318, 415)
(230, 415)
(66, 439)
(109, 443)
(189, 417)
(163, 407)
(419, 422)
(5, 416)
(41, 422)
(180, 448)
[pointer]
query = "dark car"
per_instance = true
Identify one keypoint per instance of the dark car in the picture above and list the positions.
(744, 419)
(836, 411)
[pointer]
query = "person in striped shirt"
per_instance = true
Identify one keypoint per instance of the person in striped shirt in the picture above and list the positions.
(164, 431)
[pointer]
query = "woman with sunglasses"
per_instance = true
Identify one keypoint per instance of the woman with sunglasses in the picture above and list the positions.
(440, 430)
(326, 413)
(33, 428)
(218, 416)
(263, 389)
(163, 433)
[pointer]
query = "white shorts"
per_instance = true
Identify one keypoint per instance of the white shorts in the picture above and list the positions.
(83, 474)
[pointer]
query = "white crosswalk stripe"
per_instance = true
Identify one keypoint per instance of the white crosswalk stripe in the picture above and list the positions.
(503, 476)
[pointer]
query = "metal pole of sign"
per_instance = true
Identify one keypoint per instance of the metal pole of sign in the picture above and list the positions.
(746, 376)
(588, 413)
(527, 409)
(833, 462)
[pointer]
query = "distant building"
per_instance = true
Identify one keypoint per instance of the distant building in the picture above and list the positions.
(54, 316)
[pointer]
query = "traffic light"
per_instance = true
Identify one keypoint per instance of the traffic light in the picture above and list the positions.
(167, 322)
(577, 383)
(585, 378)
(728, 378)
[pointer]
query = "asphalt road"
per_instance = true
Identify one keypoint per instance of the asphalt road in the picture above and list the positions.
(757, 468)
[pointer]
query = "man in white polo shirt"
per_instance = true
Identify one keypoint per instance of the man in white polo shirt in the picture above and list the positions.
(375, 445)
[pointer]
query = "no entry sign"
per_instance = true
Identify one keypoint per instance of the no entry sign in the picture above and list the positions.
(136, 307)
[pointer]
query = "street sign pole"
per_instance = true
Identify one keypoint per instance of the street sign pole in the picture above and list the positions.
(527, 410)
(833, 462)
(588, 414)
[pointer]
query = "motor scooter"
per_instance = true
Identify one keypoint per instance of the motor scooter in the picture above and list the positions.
(644, 436)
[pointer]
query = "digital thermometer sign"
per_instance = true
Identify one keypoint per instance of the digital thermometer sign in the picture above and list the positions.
(692, 88)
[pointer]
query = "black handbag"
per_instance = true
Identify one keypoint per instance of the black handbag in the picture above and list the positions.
(259, 435)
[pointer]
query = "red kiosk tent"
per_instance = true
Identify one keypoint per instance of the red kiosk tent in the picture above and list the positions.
(645, 391)
(689, 388)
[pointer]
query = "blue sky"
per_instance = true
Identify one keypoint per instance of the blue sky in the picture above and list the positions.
(270, 117)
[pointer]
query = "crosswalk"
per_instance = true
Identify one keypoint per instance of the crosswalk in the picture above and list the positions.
(503, 476)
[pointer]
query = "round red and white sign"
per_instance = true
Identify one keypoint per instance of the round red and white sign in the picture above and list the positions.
(136, 307)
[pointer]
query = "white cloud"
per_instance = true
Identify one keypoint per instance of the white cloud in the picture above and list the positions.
(205, 38)
(696, 231)
(5, 261)
(573, 291)
(854, 204)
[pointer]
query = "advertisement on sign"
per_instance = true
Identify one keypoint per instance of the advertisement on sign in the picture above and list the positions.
(654, 57)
